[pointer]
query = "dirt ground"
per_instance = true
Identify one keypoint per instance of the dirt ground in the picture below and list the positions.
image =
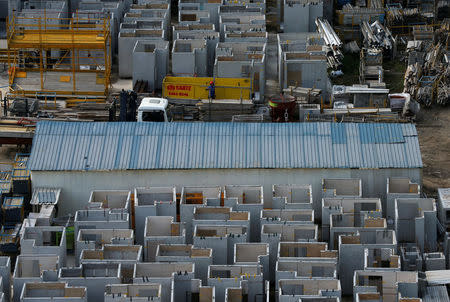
(433, 128)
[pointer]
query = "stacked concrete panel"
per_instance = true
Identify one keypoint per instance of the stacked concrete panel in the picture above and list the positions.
(296, 289)
(192, 14)
(5, 276)
(253, 253)
(189, 58)
(433, 261)
(389, 283)
(44, 240)
(101, 219)
(152, 201)
(88, 239)
(150, 63)
(352, 251)
(201, 257)
(381, 259)
(207, 29)
(273, 234)
(240, 19)
(306, 250)
(350, 223)
(303, 268)
(175, 278)
(191, 198)
(212, 7)
(411, 258)
(236, 276)
(32, 269)
(300, 15)
(221, 240)
(444, 206)
(133, 292)
(88, 9)
(358, 206)
(415, 222)
(112, 253)
(251, 199)
(242, 59)
(398, 187)
(292, 197)
(161, 229)
(302, 61)
(93, 276)
(287, 216)
(144, 22)
(54, 291)
(110, 199)
(220, 216)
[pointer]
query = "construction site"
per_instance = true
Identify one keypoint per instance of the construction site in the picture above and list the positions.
(225, 150)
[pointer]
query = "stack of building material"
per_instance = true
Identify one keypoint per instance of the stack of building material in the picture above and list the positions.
(299, 15)
(422, 32)
(223, 110)
(9, 239)
(12, 210)
(5, 184)
(376, 35)
(396, 17)
(428, 82)
(332, 41)
(371, 67)
(304, 95)
(354, 15)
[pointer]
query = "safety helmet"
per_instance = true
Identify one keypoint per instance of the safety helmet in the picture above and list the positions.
(211, 82)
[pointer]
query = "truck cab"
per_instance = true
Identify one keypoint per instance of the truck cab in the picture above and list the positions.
(154, 110)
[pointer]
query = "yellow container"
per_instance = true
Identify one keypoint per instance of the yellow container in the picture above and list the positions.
(195, 88)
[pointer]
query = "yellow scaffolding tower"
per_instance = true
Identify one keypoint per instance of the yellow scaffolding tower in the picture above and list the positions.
(67, 58)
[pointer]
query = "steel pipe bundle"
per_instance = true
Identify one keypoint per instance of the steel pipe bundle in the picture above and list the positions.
(327, 32)
(376, 35)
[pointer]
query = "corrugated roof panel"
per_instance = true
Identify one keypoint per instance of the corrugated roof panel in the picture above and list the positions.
(412, 151)
(408, 129)
(338, 133)
(117, 146)
(323, 129)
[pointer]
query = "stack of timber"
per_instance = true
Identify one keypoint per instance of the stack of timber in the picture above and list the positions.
(80, 112)
(96, 112)
(223, 110)
(184, 112)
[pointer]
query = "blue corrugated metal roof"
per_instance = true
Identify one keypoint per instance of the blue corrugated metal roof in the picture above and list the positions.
(142, 146)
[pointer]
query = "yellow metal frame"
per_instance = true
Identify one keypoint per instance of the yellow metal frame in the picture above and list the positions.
(28, 38)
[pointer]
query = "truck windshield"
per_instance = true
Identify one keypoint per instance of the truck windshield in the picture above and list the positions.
(153, 116)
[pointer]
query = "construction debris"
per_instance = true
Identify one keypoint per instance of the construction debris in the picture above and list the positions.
(427, 77)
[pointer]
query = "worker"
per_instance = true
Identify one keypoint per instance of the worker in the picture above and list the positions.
(112, 110)
(212, 90)
(5, 106)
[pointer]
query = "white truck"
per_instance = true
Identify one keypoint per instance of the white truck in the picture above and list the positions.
(154, 110)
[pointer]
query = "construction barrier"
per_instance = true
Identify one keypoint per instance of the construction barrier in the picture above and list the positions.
(195, 88)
